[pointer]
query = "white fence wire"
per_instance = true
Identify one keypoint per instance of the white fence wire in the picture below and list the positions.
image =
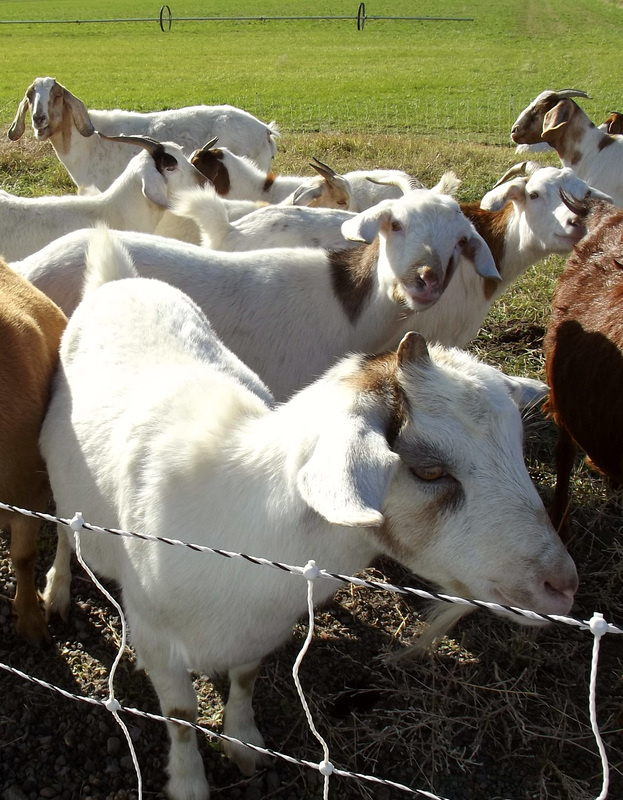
(596, 626)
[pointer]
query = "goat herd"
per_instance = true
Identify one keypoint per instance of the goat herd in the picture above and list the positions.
(240, 369)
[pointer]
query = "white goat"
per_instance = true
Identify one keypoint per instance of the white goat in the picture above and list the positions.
(269, 226)
(594, 156)
(414, 454)
(63, 119)
(290, 312)
(523, 220)
(275, 225)
(238, 178)
(136, 201)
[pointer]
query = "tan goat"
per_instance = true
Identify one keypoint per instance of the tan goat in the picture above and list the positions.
(30, 330)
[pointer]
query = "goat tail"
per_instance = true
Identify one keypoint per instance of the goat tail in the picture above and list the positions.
(106, 260)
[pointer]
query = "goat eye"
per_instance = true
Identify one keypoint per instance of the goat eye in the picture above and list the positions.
(429, 473)
(396, 226)
(534, 195)
(463, 241)
(342, 203)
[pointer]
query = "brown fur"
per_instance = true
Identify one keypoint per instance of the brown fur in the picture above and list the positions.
(615, 123)
(353, 275)
(491, 225)
(30, 330)
(270, 179)
(210, 164)
(584, 353)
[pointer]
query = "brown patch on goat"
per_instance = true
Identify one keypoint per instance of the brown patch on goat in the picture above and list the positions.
(491, 225)
(584, 352)
(379, 377)
(30, 330)
(606, 141)
(210, 164)
(353, 275)
(270, 179)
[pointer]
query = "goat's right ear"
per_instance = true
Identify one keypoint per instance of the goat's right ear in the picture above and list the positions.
(18, 126)
(365, 227)
(349, 471)
(154, 185)
(499, 196)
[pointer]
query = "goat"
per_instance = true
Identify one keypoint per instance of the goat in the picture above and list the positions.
(290, 312)
(61, 118)
(522, 220)
(136, 200)
(269, 226)
(594, 156)
(584, 352)
(30, 332)
(275, 225)
(238, 178)
(415, 454)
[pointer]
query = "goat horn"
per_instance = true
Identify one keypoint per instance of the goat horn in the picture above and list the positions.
(146, 142)
(574, 204)
(572, 93)
(513, 172)
(322, 169)
(208, 145)
(406, 185)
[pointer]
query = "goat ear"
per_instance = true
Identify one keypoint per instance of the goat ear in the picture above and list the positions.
(349, 471)
(365, 226)
(499, 196)
(18, 126)
(526, 392)
(79, 113)
(154, 185)
(304, 195)
(556, 118)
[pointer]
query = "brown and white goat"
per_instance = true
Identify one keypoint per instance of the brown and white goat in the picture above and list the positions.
(584, 352)
(30, 330)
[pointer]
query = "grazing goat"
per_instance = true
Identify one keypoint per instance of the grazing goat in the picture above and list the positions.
(137, 200)
(290, 312)
(584, 352)
(594, 156)
(522, 219)
(60, 117)
(412, 454)
(30, 332)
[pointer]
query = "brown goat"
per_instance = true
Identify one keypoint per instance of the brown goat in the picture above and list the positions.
(30, 330)
(584, 352)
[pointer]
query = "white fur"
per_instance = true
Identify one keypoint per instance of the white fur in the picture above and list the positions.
(137, 200)
(206, 456)
(279, 310)
(59, 116)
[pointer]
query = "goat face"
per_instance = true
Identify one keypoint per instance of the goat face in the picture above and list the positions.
(528, 127)
(421, 238)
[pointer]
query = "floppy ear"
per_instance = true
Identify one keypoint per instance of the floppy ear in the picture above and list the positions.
(526, 392)
(154, 185)
(304, 195)
(349, 471)
(365, 227)
(499, 196)
(556, 118)
(18, 126)
(79, 113)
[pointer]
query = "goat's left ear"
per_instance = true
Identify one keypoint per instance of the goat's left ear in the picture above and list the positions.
(365, 226)
(349, 471)
(154, 185)
(304, 195)
(526, 392)
(498, 197)
(557, 118)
